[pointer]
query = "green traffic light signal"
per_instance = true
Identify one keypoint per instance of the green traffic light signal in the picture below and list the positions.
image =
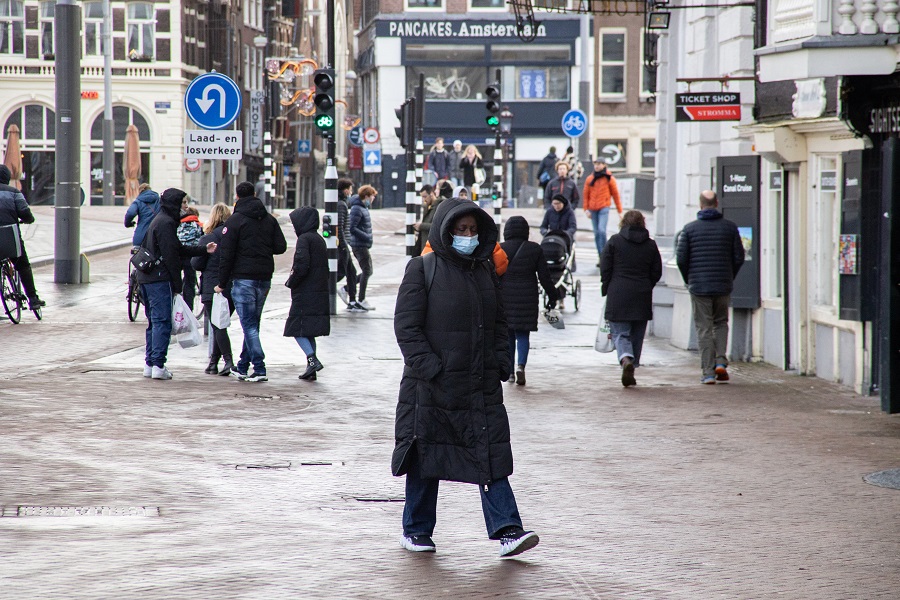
(325, 122)
(492, 121)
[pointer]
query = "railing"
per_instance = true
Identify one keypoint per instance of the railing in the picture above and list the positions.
(799, 19)
(49, 70)
(865, 17)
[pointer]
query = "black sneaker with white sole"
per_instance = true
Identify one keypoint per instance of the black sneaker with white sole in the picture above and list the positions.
(417, 543)
(516, 540)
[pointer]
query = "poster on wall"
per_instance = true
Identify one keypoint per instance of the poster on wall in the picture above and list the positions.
(847, 255)
(532, 84)
(746, 234)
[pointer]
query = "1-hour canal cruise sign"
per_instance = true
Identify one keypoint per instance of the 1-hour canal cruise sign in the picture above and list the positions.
(704, 106)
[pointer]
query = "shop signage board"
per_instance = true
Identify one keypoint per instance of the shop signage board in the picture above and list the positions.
(574, 123)
(704, 106)
(213, 101)
(737, 185)
(355, 136)
(257, 99)
(227, 145)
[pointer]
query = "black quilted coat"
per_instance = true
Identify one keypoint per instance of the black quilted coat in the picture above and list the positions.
(454, 345)
(630, 266)
(310, 314)
(519, 285)
(709, 253)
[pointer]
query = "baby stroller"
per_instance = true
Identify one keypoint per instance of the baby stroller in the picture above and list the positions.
(559, 252)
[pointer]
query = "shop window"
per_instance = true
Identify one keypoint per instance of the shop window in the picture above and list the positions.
(141, 26)
(122, 117)
(613, 152)
(612, 63)
(48, 11)
(37, 126)
(536, 83)
(456, 82)
(648, 75)
(648, 155)
(12, 27)
(489, 4)
(772, 234)
(531, 53)
(416, 4)
(445, 53)
(93, 28)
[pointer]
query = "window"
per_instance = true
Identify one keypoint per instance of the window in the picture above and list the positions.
(415, 4)
(37, 125)
(93, 28)
(537, 83)
(248, 84)
(827, 231)
(648, 74)
(48, 10)
(772, 233)
(12, 27)
(141, 26)
(612, 63)
(451, 82)
(489, 4)
(648, 155)
(551, 5)
(613, 152)
(445, 53)
(530, 53)
(260, 68)
(122, 117)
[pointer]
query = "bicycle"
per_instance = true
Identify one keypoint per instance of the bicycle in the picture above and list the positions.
(12, 294)
(134, 291)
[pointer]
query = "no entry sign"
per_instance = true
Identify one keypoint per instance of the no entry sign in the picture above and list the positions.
(724, 106)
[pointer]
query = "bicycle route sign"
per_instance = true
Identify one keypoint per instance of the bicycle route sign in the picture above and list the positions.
(574, 123)
(213, 101)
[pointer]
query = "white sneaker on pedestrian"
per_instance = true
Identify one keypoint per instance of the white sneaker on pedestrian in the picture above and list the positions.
(148, 371)
(342, 293)
(417, 543)
(516, 540)
(356, 307)
(160, 373)
(365, 304)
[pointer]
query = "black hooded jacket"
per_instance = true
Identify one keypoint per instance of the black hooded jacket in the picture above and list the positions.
(250, 240)
(629, 268)
(310, 308)
(563, 220)
(519, 285)
(454, 344)
(161, 240)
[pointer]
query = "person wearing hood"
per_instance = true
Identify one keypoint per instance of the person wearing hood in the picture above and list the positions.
(461, 192)
(359, 227)
(559, 217)
(546, 168)
(630, 267)
(310, 313)
(519, 290)
(451, 424)
(14, 209)
(189, 232)
(144, 208)
(250, 240)
(599, 187)
(709, 253)
(159, 285)
(430, 202)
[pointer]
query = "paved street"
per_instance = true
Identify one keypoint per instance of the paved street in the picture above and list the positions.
(283, 489)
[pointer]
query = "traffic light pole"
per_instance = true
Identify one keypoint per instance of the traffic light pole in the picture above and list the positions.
(331, 194)
(411, 196)
(497, 178)
(420, 142)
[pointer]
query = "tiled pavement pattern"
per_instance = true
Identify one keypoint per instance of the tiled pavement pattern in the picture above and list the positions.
(668, 490)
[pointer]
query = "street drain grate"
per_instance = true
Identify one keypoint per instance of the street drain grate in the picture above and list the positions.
(886, 479)
(282, 466)
(81, 511)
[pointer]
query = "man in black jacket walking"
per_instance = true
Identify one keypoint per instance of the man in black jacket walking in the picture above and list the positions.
(157, 286)
(709, 253)
(13, 210)
(250, 240)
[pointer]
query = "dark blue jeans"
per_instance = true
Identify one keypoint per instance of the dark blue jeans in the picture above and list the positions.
(249, 296)
(420, 511)
(157, 298)
(518, 339)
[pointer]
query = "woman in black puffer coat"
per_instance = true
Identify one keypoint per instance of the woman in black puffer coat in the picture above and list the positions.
(519, 289)
(451, 423)
(310, 314)
(630, 266)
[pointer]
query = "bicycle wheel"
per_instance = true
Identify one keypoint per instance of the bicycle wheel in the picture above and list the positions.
(577, 294)
(134, 299)
(9, 294)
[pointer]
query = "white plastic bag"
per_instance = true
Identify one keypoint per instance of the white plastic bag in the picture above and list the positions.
(603, 341)
(185, 326)
(220, 315)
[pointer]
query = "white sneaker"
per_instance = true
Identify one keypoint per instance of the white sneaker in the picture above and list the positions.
(356, 307)
(148, 371)
(365, 304)
(161, 373)
(342, 293)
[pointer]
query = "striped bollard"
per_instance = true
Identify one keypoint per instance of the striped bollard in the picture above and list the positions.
(410, 205)
(420, 175)
(331, 202)
(498, 180)
(269, 184)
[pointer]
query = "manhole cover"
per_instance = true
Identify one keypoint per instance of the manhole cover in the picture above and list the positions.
(886, 479)
(81, 511)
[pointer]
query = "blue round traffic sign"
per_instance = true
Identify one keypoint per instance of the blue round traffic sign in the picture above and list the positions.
(355, 136)
(574, 123)
(213, 101)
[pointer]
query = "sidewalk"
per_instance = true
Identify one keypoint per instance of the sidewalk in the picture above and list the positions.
(283, 489)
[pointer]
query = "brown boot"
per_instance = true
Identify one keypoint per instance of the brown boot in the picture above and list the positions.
(628, 372)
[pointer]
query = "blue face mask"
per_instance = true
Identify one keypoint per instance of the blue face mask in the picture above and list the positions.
(465, 245)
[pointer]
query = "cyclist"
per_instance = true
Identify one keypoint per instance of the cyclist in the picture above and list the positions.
(13, 210)
(144, 208)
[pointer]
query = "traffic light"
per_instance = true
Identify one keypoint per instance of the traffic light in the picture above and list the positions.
(406, 132)
(324, 101)
(326, 227)
(493, 106)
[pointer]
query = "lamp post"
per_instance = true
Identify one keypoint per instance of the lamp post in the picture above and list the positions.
(261, 42)
(506, 118)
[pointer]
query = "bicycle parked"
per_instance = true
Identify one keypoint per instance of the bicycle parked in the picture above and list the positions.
(12, 293)
(134, 291)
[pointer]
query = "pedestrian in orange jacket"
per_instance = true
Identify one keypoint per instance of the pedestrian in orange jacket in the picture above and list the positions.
(599, 188)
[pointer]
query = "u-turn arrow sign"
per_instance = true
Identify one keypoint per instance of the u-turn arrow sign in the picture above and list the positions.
(213, 101)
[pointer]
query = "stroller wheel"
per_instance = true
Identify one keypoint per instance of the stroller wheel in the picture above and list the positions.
(577, 295)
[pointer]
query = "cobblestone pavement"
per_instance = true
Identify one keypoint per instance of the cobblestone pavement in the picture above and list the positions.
(283, 489)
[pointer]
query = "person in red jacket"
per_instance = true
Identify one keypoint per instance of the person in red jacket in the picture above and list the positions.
(599, 188)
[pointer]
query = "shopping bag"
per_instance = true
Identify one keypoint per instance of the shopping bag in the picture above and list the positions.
(220, 315)
(554, 319)
(182, 317)
(190, 339)
(603, 341)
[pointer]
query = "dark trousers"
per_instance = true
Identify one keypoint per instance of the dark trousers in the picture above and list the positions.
(189, 285)
(364, 258)
(347, 268)
(711, 321)
(221, 344)
(157, 299)
(23, 266)
(420, 511)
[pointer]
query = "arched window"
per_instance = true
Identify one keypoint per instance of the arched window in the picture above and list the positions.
(37, 139)
(123, 116)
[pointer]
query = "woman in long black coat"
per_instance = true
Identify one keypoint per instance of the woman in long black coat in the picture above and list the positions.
(519, 289)
(630, 266)
(208, 267)
(310, 314)
(451, 423)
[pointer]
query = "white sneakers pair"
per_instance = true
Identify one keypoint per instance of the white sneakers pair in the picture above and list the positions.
(157, 372)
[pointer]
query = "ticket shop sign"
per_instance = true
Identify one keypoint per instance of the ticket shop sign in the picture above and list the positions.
(724, 106)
